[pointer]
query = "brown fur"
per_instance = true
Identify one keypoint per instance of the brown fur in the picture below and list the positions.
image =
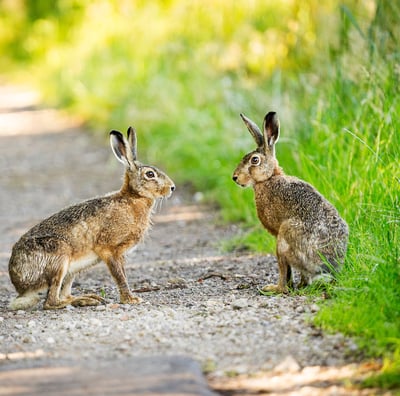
(311, 235)
(49, 255)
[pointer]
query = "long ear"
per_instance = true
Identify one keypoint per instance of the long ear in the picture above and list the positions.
(271, 130)
(254, 130)
(121, 148)
(132, 139)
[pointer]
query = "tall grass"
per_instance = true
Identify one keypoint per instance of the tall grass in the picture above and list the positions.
(364, 172)
(363, 167)
(182, 73)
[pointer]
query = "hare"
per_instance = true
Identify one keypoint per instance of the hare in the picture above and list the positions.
(50, 254)
(311, 235)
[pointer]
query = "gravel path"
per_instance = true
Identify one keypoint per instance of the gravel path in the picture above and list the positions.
(198, 301)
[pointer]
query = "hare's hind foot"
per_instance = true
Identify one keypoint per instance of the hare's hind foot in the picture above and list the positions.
(57, 304)
(275, 289)
(87, 300)
(25, 301)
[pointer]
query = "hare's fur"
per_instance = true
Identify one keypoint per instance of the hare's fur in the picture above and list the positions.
(50, 254)
(311, 235)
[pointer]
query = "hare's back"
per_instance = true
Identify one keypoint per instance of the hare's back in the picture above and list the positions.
(287, 197)
(65, 224)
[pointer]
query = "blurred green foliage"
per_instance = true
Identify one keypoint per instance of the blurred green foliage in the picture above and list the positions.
(182, 71)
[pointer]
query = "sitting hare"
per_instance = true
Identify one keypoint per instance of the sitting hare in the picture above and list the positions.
(311, 235)
(51, 253)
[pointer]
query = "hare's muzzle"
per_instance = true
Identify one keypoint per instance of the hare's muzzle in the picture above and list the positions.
(235, 178)
(171, 190)
(240, 180)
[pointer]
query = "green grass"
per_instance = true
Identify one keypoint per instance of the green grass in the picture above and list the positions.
(182, 82)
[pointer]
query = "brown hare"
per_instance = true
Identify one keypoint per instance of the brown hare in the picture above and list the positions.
(310, 234)
(50, 254)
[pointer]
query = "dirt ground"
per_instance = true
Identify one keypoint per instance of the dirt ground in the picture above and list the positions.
(197, 300)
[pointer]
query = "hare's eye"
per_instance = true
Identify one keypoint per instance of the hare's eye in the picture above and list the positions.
(150, 174)
(255, 160)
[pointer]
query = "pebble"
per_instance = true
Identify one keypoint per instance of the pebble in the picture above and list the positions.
(240, 303)
(123, 347)
(95, 321)
(300, 309)
(29, 339)
(70, 325)
(288, 365)
(31, 324)
(314, 308)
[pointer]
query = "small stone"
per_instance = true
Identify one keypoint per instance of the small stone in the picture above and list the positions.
(31, 324)
(314, 308)
(50, 340)
(198, 197)
(29, 340)
(95, 322)
(176, 283)
(288, 365)
(240, 303)
(300, 309)
(70, 326)
(123, 347)
(18, 326)
(101, 308)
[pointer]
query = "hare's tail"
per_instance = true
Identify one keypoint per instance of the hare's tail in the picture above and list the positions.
(25, 301)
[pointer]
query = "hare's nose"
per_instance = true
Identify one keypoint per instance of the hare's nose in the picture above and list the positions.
(234, 177)
(172, 188)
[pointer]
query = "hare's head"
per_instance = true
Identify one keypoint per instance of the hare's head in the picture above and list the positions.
(143, 180)
(260, 164)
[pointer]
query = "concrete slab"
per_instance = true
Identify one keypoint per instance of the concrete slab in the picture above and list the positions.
(156, 375)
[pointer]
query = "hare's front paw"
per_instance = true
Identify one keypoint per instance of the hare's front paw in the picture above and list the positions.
(130, 299)
(278, 289)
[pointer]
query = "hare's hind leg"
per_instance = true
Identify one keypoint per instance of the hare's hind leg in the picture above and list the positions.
(54, 300)
(78, 301)
(65, 292)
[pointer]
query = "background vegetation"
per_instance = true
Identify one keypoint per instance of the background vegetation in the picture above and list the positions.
(182, 71)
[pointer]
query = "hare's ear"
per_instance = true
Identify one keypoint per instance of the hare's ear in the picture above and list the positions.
(132, 139)
(121, 148)
(254, 130)
(271, 130)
